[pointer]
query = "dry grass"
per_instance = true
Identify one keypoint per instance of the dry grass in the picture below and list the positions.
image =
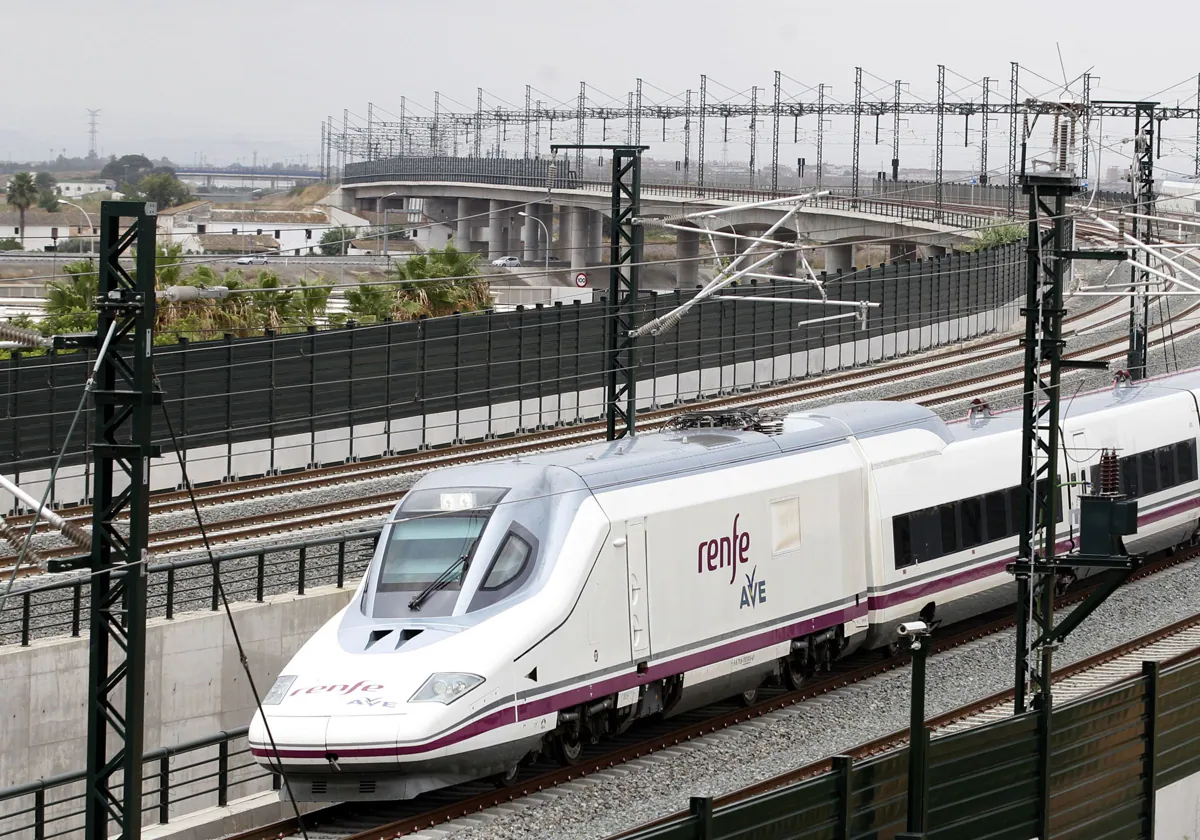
(303, 200)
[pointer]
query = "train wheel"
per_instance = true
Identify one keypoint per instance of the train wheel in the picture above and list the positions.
(567, 749)
(795, 674)
(748, 698)
(508, 777)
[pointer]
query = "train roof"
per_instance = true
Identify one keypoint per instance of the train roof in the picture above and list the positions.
(1129, 394)
(662, 455)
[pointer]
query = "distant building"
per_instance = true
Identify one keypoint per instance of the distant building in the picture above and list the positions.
(294, 232)
(72, 189)
(44, 231)
(227, 243)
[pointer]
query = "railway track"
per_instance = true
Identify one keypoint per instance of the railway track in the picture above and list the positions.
(383, 821)
(307, 518)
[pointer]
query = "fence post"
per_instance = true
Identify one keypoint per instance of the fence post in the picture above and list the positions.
(164, 789)
(843, 766)
(701, 807)
(39, 815)
(26, 603)
(228, 410)
(270, 336)
(170, 592)
(260, 582)
(300, 569)
(1150, 670)
(341, 567)
(76, 608)
(223, 773)
(216, 585)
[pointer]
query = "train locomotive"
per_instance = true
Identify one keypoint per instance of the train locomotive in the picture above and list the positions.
(536, 605)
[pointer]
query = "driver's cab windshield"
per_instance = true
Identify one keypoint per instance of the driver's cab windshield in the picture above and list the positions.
(430, 548)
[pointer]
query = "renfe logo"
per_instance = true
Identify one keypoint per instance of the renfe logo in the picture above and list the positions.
(341, 690)
(727, 551)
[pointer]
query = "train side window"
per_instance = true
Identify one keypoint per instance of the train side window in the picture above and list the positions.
(902, 541)
(996, 513)
(949, 529)
(1016, 505)
(972, 521)
(926, 538)
(1166, 466)
(1129, 476)
(1148, 472)
(1185, 460)
(510, 561)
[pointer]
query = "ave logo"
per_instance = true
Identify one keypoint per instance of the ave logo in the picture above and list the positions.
(754, 592)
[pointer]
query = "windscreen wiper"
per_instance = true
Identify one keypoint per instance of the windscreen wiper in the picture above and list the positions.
(437, 583)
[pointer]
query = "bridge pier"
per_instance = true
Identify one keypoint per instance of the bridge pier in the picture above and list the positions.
(902, 251)
(935, 251)
(785, 261)
(512, 224)
(546, 237)
(532, 233)
(563, 251)
(687, 255)
(496, 239)
(595, 238)
(462, 227)
(579, 238)
(839, 258)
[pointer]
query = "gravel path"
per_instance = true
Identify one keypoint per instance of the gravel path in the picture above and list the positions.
(648, 788)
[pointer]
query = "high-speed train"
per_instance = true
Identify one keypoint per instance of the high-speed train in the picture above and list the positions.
(538, 604)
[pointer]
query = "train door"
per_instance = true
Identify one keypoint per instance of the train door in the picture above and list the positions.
(639, 601)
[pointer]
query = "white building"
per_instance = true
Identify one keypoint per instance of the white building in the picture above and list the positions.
(73, 189)
(297, 232)
(44, 229)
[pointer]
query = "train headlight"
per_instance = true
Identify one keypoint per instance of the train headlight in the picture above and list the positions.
(278, 691)
(445, 688)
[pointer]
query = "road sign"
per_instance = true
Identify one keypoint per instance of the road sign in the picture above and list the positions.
(581, 279)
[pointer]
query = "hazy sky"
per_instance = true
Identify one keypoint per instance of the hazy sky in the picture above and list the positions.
(224, 78)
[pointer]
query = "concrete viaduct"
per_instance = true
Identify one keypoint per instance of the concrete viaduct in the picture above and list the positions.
(483, 218)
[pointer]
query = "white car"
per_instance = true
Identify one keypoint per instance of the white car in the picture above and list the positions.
(507, 262)
(257, 259)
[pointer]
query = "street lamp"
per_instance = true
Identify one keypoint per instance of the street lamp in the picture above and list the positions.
(378, 201)
(547, 232)
(81, 210)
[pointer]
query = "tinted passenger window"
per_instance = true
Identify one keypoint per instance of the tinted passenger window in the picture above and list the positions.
(1129, 476)
(949, 529)
(997, 516)
(926, 539)
(972, 522)
(1016, 504)
(1166, 467)
(1149, 472)
(1185, 455)
(902, 541)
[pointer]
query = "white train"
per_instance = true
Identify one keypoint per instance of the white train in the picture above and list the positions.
(543, 603)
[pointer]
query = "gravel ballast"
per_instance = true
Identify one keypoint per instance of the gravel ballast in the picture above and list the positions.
(646, 789)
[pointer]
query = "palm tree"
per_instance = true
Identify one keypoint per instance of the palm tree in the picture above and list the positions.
(22, 194)
(311, 300)
(371, 304)
(71, 303)
(441, 282)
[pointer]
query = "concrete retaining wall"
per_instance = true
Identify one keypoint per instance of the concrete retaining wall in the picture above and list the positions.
(195, 686)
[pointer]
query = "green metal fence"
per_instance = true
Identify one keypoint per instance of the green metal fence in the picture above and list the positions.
(1109, 753)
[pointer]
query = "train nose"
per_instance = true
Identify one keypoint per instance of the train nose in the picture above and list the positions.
(322, 741)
